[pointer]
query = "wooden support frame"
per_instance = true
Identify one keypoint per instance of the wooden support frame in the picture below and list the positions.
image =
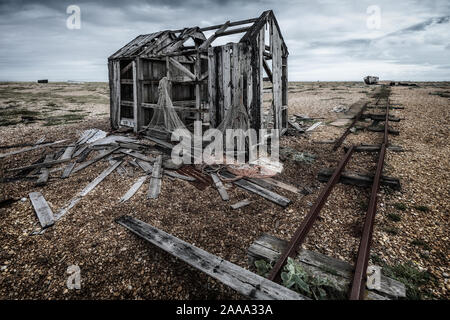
(232, 74)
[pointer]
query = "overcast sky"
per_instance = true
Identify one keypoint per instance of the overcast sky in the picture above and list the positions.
(327, 40)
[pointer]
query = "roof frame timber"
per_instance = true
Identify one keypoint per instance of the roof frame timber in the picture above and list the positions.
(175, 47)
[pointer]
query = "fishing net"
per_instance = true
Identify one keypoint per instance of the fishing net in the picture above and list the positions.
(165, 118)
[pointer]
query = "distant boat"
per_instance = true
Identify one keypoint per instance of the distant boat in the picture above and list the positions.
(371, 80)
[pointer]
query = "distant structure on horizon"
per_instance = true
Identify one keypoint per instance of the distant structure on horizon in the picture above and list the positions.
(371, 80)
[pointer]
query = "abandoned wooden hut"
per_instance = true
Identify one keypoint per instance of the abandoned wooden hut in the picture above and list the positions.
(205, 81)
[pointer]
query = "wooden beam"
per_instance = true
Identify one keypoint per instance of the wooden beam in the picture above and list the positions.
(126, 68)
(213, 37)
(252, 187)
(268, 71)
(42, 209)
(219, 185)
(43, 176)
(39, 165)
(4, 155)
(337, 272)
(88, 163)
(240, 204)
(233, 31)
(237, 278)
(182, 68)
(155, 182)
(134, 188)
(87, 189)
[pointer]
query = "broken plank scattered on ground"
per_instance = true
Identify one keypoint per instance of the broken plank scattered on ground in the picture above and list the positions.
(68, 152)
(42, 209)
(67, 170)
(296, 126)
(86, 190)
(155, 182)
(134, 188)
(252, 187)
(137, 155)
(4, 155)
(39, 165)
(219, 185)
(241, 204)
(237, 278)
(88, 163)
(175, 174)
(147, 167)
(43, 176)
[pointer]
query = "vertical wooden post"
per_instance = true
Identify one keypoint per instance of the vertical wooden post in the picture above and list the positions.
(197, 73)
(135, 98)
(261, 48)
(212, 103)
(226, 59)
(114, 87)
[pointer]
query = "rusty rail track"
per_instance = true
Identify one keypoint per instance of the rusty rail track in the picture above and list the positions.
(358, 281)
(359, 275)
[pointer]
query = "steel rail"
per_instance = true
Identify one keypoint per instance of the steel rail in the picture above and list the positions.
(347, 131)
(362, 260)
(307, 223)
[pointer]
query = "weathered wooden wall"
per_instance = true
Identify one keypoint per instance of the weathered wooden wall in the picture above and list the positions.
(229, 79)
(229, 75)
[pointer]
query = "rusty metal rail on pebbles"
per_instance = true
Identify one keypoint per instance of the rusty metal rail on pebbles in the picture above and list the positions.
(359, 276)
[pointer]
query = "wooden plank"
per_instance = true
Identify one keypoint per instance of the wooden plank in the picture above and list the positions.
(137, 155)
(219, 185)
(135, 100)
(39, 146)
(296, 126)
(90, 162)
(226, 79)
(218, 51)
(39, 165)
(84, 154)
(276, 72)
(175, 174)
(42, 209)
(241, 204)
(67, 170)
(374, 148)
(314, 126)
(252, 187)
(134, 188)
(237, 278)
(160, 142)
(267, 70)
(79, 151)
(182, 68)
(339, 272)
(214, 36)
(282, 185)
(87, 189)
(357, 179)
(114, 95)
(155, 182)
(68, 153)
(43, 176)
(236, 82)
(144, 165)
(212, 106)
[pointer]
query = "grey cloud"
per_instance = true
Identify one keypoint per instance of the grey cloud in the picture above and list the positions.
(320, 34)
